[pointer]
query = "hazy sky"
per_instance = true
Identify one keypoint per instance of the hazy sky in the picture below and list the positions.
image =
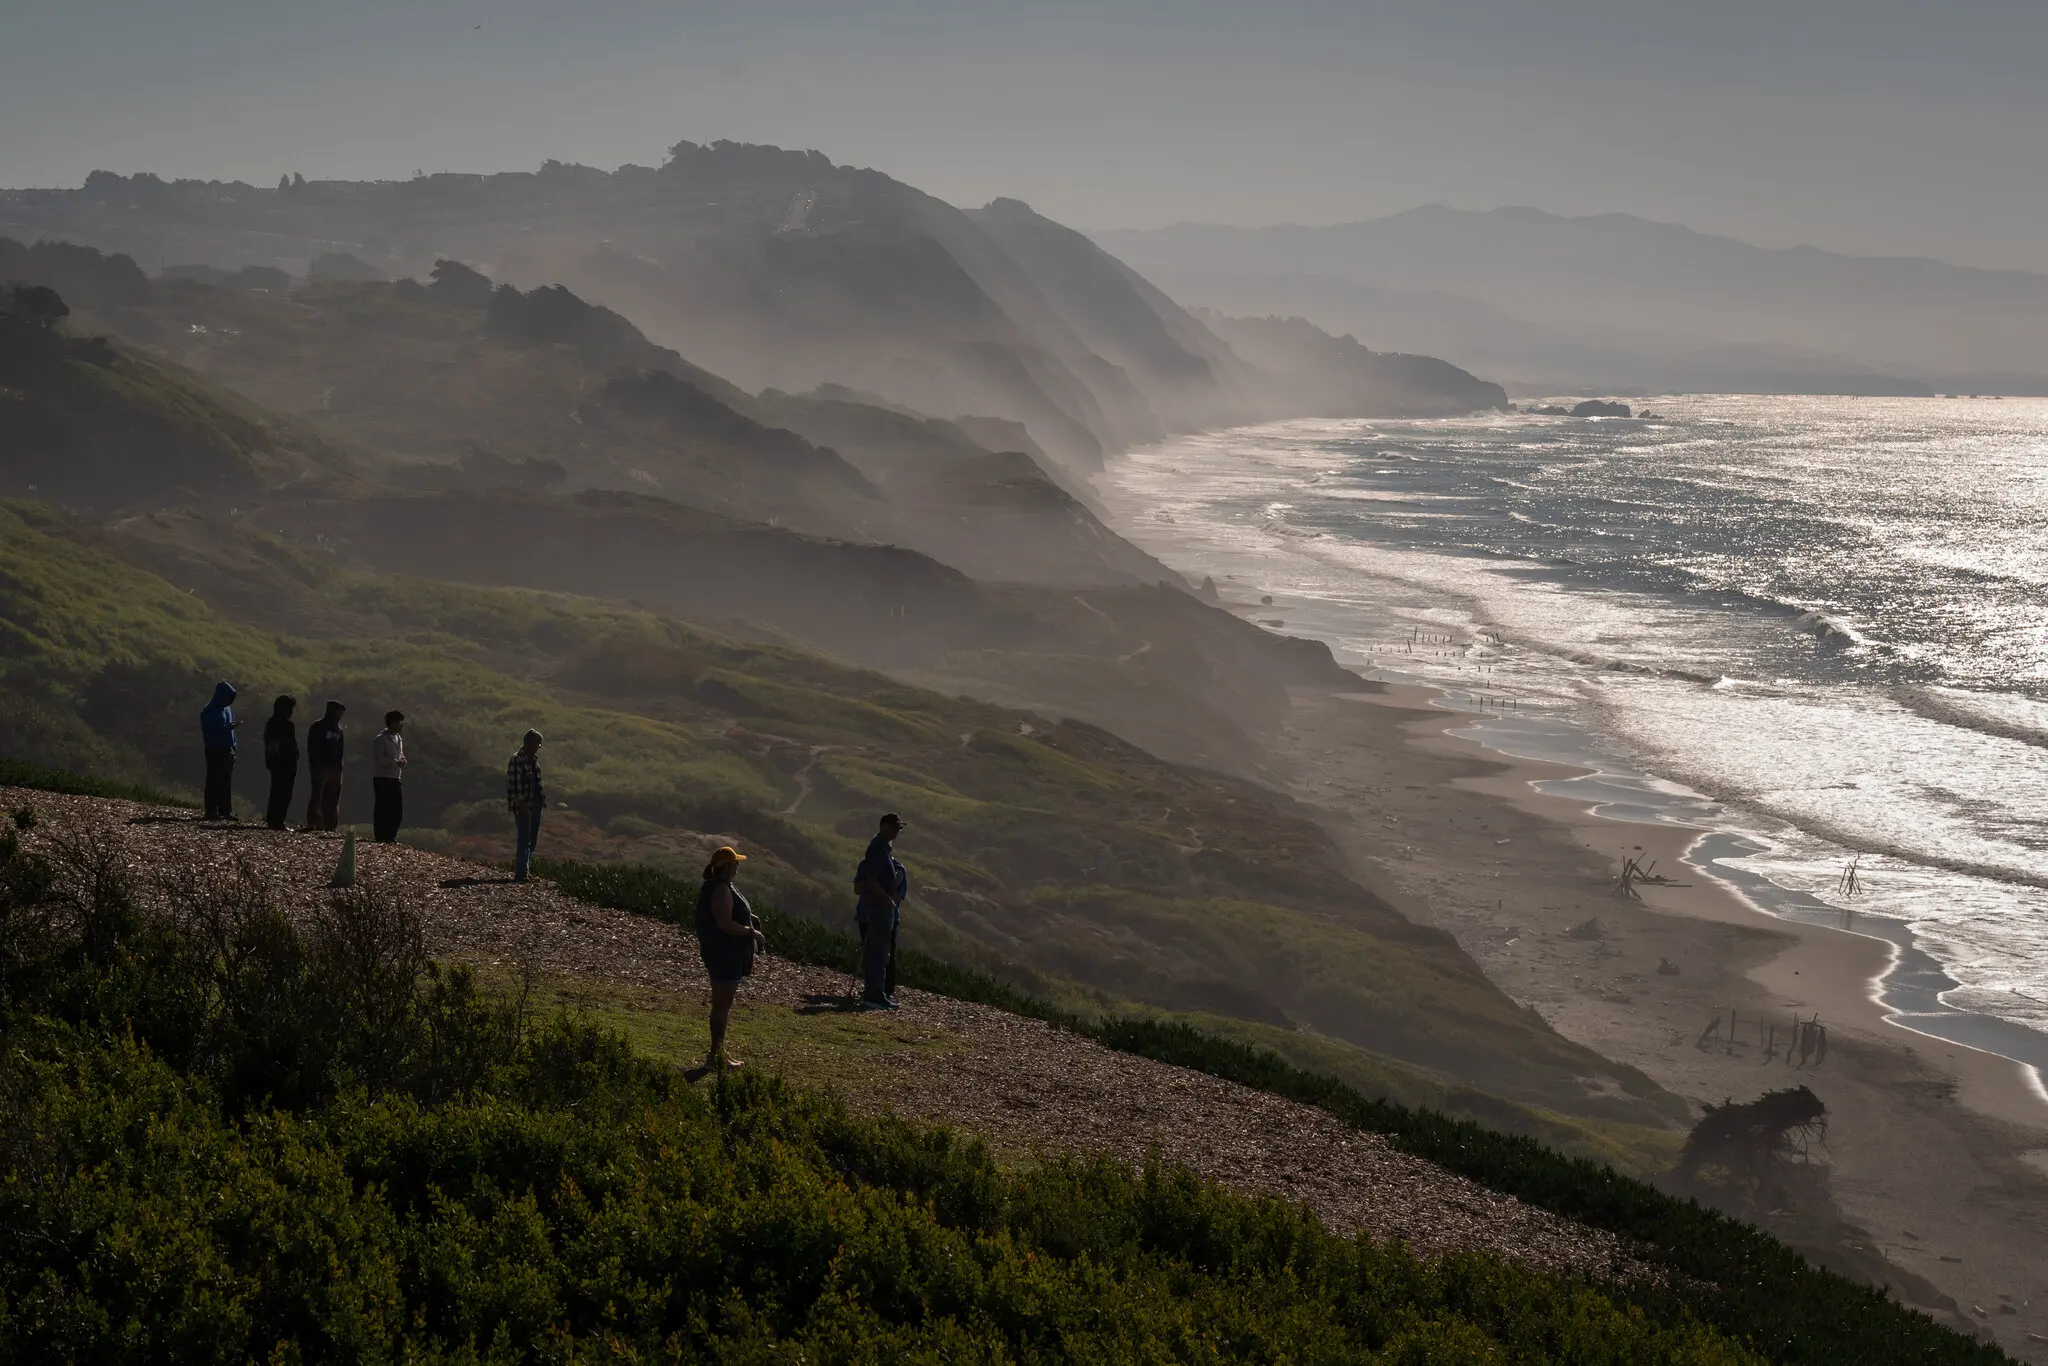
(1862, 125)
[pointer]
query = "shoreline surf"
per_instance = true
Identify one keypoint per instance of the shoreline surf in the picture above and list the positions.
(1936, 1152)
(1510, 689)
(1907, 990)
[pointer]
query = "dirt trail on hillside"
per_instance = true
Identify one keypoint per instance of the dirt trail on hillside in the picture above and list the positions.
(1019, 1083)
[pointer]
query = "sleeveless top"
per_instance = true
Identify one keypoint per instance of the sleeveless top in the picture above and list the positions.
(727, 957)
(707, 924)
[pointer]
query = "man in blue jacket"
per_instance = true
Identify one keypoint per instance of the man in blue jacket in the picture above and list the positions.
(217, 725)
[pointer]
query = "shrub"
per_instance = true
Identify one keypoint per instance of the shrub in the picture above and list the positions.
(1724, 1273)
(231, 1136)
(628, 1218)
(211, 973)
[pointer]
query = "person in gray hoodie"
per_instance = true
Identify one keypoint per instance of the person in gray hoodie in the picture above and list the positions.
(387, 755)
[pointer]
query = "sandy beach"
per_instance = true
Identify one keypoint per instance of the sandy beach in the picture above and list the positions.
(1936, 1155)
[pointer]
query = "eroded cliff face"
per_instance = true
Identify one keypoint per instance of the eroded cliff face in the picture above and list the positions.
(771, 268)
(1315, 374)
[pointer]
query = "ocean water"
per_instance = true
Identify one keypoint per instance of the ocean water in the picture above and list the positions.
(1816, 628)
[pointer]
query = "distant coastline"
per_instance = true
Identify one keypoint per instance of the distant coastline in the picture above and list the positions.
(1502, 824)
(1908, 988)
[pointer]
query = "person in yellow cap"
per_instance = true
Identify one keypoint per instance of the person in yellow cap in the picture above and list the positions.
(728, 937)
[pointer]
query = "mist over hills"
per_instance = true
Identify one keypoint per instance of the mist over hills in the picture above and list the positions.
(1338, 376)
(760, 485)
(771, 268)
(818, 438)
(497, 506)
(466, 431)
(1536, 297)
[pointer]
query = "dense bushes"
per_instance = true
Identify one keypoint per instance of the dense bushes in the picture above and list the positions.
(624, 1218)
(229, 1136)
(208, 972)
(1726, 1273)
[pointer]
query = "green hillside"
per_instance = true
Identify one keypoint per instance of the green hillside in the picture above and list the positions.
(101, 425)
(495, 443)
(461, 384)
(235, 1138)
(1055, 854)
(247, 1121)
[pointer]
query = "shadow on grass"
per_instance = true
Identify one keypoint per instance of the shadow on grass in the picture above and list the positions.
(823, 1003)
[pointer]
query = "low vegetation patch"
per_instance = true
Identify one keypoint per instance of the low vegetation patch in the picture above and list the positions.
(1724, 1273)
(232, 1134)
(1103, 868)
(15, 773)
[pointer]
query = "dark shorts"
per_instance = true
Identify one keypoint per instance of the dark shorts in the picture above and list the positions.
(728, 958)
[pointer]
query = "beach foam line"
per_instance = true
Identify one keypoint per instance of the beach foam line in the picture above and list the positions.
(1430, 591)
(2000, 715)
(1908, 991)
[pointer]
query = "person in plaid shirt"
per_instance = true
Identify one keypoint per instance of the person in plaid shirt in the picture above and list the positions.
(526, 797)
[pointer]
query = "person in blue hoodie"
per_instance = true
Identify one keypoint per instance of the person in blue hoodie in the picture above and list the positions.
(217, 726)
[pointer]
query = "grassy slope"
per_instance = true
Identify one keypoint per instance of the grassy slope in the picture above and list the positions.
(1727, 1274)
(99, 426)
(236, 1136)
(1078, 865)
(403, 373)
(418, 376)
(148, 1190)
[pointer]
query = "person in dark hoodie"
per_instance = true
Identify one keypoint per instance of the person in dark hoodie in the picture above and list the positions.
(217, 725)
(325, 741)
(281, 757)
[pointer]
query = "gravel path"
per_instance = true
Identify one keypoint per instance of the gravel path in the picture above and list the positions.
(1018, 1082)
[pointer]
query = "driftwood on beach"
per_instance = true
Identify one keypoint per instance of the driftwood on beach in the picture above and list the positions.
(1635, 874)
(1806, 1043)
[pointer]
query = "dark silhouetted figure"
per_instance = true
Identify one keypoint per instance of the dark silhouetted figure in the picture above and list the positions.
(526, 799)
(217, 725)
(325, 741)
(281, 757)
(387, 757)
(883, 884)
(728, 939)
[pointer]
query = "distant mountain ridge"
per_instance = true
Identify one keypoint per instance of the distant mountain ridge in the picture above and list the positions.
(480, 433)
(1339, 377)
(772, 268)
(464, 385)
(1591, 292)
